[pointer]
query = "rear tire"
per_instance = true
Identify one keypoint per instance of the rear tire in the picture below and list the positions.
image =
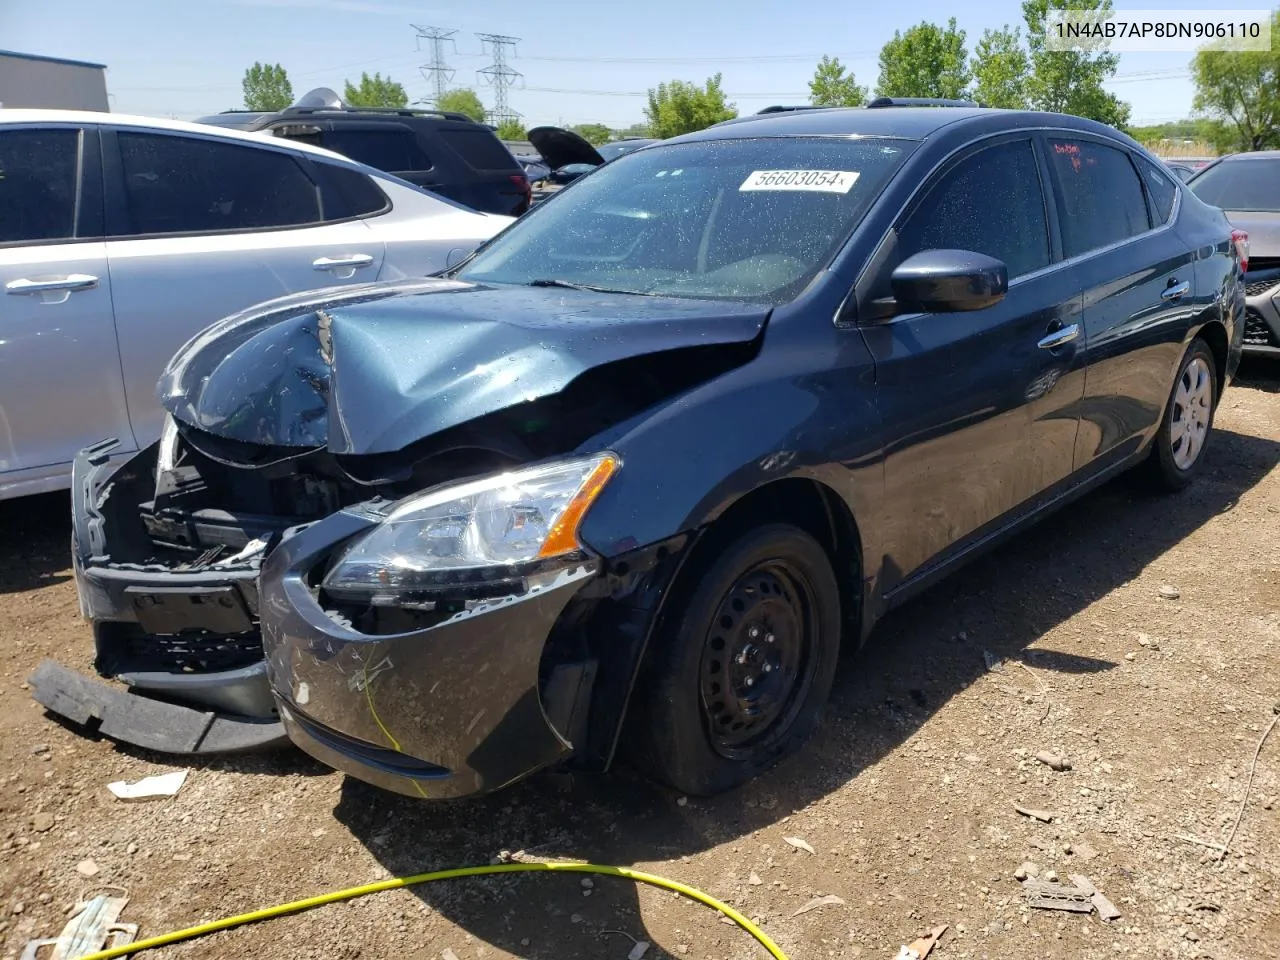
(1178, 452)
(744, 667)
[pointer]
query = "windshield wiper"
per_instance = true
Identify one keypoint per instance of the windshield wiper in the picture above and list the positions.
(570, 285)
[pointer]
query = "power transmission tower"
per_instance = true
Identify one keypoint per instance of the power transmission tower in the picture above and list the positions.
(500, 76)
(436, 71)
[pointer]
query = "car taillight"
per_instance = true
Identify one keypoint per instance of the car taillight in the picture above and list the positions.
(1240, 240)
(522, 181)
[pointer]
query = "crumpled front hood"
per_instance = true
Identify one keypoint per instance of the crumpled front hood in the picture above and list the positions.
(375, 367)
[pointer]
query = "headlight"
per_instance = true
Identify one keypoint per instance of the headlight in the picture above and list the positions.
(450, 535)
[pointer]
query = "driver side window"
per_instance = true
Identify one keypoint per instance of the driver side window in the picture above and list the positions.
(991, 202)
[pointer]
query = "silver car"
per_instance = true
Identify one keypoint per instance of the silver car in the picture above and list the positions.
(122, 237)
(1247, 187)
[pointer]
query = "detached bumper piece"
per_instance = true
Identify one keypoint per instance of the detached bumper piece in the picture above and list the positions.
(148, 723)
(182, 635)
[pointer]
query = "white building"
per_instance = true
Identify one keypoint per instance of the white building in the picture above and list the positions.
(29, 80)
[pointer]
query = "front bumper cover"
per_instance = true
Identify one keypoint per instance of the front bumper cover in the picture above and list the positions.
(1262, 318)
(165, 709)
(447, 711)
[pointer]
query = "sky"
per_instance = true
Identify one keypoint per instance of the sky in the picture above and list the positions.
(579, 62)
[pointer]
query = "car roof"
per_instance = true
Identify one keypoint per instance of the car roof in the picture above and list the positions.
(909, 123)
(25, 116)
(1252, 155)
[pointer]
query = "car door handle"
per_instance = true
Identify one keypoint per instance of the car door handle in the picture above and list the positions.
(1059, 337)
(339, 263)
(74, 281)
(1175, 291)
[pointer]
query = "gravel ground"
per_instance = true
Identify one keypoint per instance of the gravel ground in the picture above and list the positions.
(906, 795)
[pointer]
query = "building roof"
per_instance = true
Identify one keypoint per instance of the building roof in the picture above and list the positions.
(44, 59)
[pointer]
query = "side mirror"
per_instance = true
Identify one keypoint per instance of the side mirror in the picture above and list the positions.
(948, 281)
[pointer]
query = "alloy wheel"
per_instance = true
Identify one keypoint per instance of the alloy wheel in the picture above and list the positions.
(1192, 413)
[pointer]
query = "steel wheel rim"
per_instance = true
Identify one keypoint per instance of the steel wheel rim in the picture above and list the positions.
(758, 658)
(1192, 412)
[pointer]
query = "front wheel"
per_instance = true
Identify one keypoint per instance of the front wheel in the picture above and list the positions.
(1178, 450)
(746, 665)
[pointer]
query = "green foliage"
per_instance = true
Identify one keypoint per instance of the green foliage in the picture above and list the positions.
(635, 130)
(1192, 129)
(594, 133)
(1241, 93)
(1070, 81)
(266, 87)
(462, 100)
(833, 86)
(512, 129)
(1000, 68)
(681, 107)
(374, 92)
(926, 61)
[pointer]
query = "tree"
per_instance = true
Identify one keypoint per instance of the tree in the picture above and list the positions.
(635, 130)
(681, 107)
(1240, 91)
(926, 61)
(832, 86)
(593, 133)
(1000, 67)
(462, 100)
(512, 129)
(266, 87)
(1070, 81)
(374, 92)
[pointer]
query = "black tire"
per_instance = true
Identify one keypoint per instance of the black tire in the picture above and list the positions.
(767, 608)
(1166, 468)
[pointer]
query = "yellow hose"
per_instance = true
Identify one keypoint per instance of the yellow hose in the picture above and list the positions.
(396, 883)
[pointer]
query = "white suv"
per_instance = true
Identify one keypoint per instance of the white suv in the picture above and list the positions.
(121, 237)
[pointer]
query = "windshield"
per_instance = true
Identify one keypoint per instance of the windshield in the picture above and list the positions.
(747, 220)
(1246, 184)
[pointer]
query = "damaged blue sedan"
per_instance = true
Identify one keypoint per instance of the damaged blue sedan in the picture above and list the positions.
(629, 476)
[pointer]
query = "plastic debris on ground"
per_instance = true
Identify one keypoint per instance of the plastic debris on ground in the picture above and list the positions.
(921, 947)
(95, 926)
(1078, 896)
(149, 788)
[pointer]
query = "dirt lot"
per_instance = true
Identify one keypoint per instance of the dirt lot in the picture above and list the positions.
(906, 795)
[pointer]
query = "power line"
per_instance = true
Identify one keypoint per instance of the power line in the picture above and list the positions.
(436, 71)
(498, 75)
(736, 58)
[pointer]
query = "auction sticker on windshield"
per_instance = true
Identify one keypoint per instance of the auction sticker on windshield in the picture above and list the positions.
(823, 181)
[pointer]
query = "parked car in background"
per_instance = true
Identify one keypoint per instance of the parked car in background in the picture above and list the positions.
(641, 465)
(1182, 171)
(446, 153)
(535, 168)
(121, 237)
(1247, 187)
(568, 156)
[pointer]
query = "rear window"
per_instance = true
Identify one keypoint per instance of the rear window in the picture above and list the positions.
(481, 149)
(347, 193)
(394, 149)
(1160, 186)
(1246, 184)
